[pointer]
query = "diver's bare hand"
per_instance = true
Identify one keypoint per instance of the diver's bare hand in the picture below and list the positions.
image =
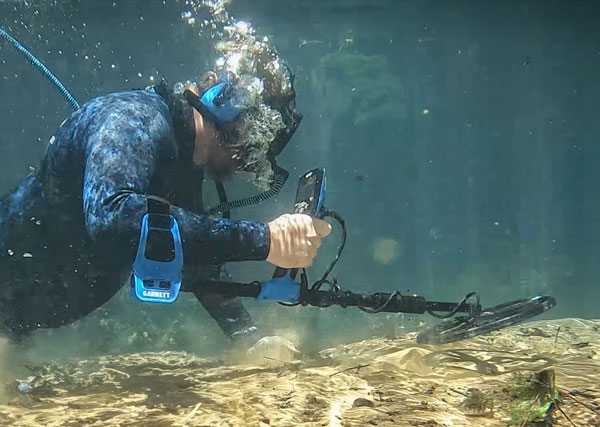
(295, 239)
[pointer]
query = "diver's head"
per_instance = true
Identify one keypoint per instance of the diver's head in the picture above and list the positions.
(242, 123)
(210, 151)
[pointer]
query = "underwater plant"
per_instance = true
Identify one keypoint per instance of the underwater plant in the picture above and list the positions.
(534, 397)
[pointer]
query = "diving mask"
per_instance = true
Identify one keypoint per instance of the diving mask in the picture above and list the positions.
(217, 103)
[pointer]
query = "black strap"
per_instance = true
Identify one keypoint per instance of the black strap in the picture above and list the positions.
(222, 198)
(194, 101)
(158, 205)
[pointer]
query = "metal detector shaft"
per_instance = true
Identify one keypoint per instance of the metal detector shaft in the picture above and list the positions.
(381, 302)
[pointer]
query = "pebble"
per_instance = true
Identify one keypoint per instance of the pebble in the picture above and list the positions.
(361, 401)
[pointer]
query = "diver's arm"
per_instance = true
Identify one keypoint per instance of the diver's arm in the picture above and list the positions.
(120, 161)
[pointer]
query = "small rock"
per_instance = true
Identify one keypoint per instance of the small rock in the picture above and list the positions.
(361, 401)
(24, 387)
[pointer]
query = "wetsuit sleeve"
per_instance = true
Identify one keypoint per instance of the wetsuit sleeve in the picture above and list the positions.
(121, 159)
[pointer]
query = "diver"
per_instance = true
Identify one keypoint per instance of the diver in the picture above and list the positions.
(69, 231)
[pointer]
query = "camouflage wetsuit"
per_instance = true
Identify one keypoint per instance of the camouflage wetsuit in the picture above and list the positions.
(69, 232)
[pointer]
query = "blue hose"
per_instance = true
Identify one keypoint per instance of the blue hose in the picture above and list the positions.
(41, 68)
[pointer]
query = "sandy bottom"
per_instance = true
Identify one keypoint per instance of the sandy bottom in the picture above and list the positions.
(380, 382)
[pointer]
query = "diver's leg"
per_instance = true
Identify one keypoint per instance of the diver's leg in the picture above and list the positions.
(230, 315)
(229, 312)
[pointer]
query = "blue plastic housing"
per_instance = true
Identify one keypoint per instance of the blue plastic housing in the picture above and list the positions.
(283, 289)
(225, 111)
(157, 281)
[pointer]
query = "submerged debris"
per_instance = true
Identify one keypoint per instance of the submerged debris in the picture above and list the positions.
(25, 386)
(533, 332)
(477, 403)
